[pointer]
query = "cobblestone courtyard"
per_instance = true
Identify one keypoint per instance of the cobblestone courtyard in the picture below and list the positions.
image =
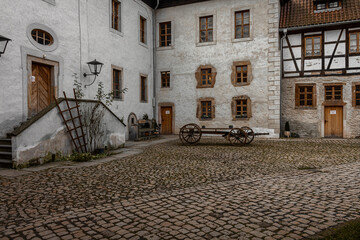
(271, 189)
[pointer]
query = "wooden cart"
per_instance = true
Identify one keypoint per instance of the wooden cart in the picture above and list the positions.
(191, 134)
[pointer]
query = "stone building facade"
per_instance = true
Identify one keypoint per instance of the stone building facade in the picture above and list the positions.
(321, 67)
(208, 84)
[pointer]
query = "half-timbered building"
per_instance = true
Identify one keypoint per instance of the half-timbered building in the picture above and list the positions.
(321, 67)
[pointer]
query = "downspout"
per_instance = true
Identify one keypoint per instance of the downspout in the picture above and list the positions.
(281, 73)
(154, 59)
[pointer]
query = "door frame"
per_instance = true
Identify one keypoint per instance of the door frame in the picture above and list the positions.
(342, 105)
(27, 57)
(167, 104)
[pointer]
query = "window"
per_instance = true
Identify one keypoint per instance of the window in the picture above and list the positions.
(241, 73)
(242, 24)
(206, 29)
(165, 34)
(313, 46)
(205, 76)
(356, 95)
(205, 109)
(143, 89)
(142, 29)
(327, 5)
(116, 15)
(42, 37)
(117, 84)
(165, 79)
(354, 45)
(305, 95)
(241, 108)
(333, 93)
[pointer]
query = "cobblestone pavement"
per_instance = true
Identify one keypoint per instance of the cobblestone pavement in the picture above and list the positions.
(208, 191)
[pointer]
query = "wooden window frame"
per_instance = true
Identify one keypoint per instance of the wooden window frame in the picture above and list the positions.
(199, 109)
(198, 76)
(297, 96)
(357, 32)
(144, 87)
(327, 5)
(354, 92)
(121, 83)
(242, 25)
(165, 79)
(234, 73)
(207, 29)
(116, 15)
(234, 105)
(166, 35)
(312, 46)
(143, 28)
(333, 100)
(43, 37)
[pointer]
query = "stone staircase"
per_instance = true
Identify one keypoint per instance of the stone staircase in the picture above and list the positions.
(5, 152)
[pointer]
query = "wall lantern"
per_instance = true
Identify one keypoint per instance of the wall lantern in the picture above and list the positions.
(95, 69)
(3, 43)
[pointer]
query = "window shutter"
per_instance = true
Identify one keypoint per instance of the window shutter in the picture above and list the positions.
(198, 77)
(249, 72)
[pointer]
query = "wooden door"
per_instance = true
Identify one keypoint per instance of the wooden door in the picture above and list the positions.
(166, 120)
(334, 122)
(40, 92)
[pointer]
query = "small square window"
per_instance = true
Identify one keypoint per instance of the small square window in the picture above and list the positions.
(305, 96)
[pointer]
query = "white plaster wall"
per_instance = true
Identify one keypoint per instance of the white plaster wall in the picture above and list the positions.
(97, 41)
(49, 135)
(186, 56)
(15, 16)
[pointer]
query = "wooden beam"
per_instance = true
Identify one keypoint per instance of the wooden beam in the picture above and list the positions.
(336, 46)
(292, 53)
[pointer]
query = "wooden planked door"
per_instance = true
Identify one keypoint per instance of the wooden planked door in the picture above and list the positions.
(334, 122)
(166, 120)
(40, 92)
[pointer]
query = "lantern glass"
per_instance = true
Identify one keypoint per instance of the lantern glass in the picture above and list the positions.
(95, 67)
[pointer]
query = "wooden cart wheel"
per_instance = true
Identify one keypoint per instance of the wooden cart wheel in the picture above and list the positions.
(237, 136)
(190, 133)
(250, 134)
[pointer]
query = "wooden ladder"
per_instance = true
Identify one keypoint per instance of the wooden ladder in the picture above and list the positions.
(73, 123)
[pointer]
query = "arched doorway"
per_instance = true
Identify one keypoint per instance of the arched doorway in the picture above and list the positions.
(133, 126)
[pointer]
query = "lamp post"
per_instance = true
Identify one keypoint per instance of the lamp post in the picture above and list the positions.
(95, 69)
(3, 44)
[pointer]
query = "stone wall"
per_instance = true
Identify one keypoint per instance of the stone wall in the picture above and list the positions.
(185, 55)
(310, 122)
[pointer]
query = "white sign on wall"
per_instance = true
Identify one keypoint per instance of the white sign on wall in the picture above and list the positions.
(167, 112)
(333, 112)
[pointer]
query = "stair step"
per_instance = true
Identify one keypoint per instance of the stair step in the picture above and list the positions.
(5, 163)
(5, 148)
(6, 155)
(5, 141)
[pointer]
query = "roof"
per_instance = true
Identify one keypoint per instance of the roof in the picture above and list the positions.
(300, 13)
(170, 3)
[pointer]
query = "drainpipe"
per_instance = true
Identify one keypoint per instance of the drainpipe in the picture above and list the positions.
(281, 72)
(154, 59)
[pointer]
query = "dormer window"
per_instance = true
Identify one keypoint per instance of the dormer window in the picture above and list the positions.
(324, 5)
